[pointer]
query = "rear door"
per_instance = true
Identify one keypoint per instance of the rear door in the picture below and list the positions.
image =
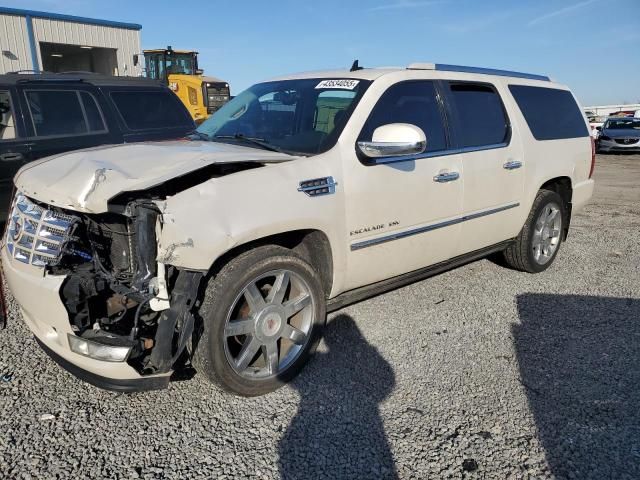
(492, 158)
(62, 118)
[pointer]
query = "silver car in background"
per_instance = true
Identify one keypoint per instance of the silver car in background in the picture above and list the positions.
(621, 134)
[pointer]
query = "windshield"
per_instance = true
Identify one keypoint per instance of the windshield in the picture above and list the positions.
(182, 63)
(159, 65)
(295, 116)
(623, 123)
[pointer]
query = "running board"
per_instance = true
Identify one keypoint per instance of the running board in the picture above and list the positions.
(361, 293)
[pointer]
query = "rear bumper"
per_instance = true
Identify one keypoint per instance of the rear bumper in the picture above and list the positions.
(582, 193)
(44, 313)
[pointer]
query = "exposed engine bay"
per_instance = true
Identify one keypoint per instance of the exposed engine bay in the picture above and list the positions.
(116, 292)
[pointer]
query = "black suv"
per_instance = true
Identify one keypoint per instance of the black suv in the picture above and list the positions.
(46, 114)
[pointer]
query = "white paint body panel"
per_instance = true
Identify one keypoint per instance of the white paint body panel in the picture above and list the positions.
(205, 221)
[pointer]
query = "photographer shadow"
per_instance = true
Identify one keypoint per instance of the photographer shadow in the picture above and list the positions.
(579, 361)
(338, 431)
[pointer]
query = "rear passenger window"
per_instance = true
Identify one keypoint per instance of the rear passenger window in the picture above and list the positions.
(551, 114)
(479, 117)
(144, 110)
(63, 112)
(409, 102)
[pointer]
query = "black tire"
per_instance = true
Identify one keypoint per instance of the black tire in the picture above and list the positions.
(520, 255)
(222, 294)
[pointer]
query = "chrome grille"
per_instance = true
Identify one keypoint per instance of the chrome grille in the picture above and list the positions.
(35, 234)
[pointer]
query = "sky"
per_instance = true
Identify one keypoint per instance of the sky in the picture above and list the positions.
(591, 45)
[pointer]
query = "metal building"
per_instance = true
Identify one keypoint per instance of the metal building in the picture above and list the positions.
(31, 40)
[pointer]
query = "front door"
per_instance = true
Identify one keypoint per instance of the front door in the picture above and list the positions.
(14, 148)
(398, 209)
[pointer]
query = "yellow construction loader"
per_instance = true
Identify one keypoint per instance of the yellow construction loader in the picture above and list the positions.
(202, 95)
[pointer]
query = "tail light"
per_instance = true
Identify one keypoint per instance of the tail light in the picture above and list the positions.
(593, 157)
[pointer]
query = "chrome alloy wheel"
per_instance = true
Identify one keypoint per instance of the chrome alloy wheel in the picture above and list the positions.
(268, 324)
(546, 234)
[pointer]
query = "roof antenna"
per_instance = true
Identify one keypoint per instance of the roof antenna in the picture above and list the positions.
(355, 67)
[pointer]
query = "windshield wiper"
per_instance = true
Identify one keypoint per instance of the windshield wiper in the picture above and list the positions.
(200, 135)
(259, 142)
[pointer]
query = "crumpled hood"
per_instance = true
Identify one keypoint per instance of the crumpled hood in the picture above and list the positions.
(85, 180)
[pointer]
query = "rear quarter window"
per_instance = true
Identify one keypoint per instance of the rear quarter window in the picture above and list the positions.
(551, 114)
(150, 109)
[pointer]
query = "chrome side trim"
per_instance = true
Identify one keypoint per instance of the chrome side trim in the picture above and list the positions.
(428, 228)
(440, 153)
(391, 149)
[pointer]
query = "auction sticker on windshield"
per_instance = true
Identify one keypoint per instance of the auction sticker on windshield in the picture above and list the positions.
(345, 84)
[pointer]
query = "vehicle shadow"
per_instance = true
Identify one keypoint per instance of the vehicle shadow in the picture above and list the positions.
(337, 431)
(579, 360)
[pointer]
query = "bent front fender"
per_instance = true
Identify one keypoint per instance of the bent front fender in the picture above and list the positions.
(204, 222)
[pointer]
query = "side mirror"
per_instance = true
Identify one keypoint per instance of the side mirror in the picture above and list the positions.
(394, 139)
(135, 59)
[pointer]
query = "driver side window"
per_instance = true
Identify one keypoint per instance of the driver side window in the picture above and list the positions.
(413, 102)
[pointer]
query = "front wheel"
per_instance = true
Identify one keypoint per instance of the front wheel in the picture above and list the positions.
(262, 318)
(537, 245)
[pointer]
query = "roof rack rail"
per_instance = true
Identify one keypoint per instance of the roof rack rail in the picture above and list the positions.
(484, 71)
(50, 79)
(78, 72)
(27, 71)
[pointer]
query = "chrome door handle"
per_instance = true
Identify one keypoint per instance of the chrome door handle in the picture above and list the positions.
(512, 165)
(446, 177)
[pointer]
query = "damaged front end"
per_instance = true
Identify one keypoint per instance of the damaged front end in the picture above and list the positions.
(115, 291)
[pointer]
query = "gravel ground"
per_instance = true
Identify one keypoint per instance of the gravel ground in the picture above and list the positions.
(481, 372)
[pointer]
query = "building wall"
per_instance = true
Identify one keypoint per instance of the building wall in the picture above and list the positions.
(127, 42)
(609, 109)
(16, 52)
(14, 44)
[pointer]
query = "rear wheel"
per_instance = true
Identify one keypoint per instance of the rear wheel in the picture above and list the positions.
(537, 245)
(262, 318)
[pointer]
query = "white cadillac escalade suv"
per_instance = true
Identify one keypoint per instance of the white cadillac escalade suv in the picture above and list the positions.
(304, 193)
